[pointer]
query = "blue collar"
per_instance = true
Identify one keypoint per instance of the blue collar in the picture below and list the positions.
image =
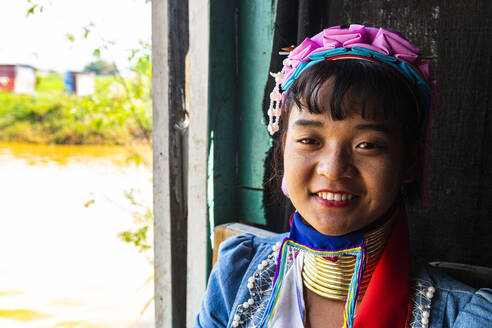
(301, 233)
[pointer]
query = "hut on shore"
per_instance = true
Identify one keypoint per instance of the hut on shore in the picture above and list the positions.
(79, 83)
(18, 78)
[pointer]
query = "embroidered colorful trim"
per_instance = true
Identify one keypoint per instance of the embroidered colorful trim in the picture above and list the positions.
(359, 252)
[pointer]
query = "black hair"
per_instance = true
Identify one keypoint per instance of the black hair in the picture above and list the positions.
(381, 92)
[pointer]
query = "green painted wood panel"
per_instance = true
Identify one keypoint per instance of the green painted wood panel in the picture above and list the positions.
(256, 27)
(241, 42)
(223, 113)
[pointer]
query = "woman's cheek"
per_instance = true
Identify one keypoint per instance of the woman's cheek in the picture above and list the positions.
(381, 176)
(297, 166)
(294, 157)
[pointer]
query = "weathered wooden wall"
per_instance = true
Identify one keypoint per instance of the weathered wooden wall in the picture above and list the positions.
(456, 225)
(198, 143)
(178, 166)
(170, 47)
(160, 117)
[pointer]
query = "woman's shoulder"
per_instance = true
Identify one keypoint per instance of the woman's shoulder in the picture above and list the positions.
(247, 245)
(239, 257)
(450, 303)
(243, 253)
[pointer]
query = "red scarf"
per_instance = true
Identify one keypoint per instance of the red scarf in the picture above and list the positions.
(386, 303)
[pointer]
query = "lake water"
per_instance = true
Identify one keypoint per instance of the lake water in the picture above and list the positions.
(61, 262)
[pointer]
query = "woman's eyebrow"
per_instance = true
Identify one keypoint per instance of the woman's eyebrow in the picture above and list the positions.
(304, 122)
(374, 127)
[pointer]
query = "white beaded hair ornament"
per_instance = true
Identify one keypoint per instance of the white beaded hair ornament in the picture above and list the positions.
(275, 109)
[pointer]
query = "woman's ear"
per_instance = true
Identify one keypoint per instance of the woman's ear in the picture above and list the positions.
(414, 162)
(284, 181)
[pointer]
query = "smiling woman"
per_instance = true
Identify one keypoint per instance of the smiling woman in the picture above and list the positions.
(343, 174)
(352, 119)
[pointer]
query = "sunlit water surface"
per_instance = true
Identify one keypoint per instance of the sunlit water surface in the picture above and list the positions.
(61, 262)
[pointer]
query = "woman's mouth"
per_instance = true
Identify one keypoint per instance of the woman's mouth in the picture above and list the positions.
(335, 199)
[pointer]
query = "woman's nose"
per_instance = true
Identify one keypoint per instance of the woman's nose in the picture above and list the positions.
(335, 164)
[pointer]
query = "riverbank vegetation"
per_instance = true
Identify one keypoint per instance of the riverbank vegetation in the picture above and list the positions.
(118, 113)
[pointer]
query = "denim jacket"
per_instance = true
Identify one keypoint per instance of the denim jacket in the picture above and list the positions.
(240, 285)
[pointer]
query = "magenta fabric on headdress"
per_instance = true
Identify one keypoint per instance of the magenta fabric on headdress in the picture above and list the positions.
(384, 41)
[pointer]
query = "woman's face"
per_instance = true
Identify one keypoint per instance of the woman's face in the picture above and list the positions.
(343, 175)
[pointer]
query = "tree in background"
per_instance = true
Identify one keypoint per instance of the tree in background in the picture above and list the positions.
(119, 112)
(101, 67)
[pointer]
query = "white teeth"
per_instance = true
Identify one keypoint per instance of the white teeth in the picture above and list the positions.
(334, 196)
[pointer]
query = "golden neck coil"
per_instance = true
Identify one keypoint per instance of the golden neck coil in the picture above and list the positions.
(331, 279)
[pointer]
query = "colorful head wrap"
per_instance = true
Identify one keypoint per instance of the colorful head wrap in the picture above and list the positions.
(364, 43)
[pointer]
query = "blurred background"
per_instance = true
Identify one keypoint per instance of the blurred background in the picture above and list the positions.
(75, 164)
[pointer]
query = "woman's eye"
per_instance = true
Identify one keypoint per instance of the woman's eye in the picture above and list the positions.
(368, 145)
(308, 141)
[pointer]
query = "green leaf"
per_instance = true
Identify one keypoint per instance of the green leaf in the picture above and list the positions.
(30, 11)
(70, 37)
(86, 32)
(97, 52)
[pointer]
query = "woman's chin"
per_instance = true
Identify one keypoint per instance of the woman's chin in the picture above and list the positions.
(338, 222)
(337, 217)
(333, 226)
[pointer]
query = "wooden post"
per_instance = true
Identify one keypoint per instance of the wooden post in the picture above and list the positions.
(199, 25)
(160, 123)
(170, 45)
(178, 125)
